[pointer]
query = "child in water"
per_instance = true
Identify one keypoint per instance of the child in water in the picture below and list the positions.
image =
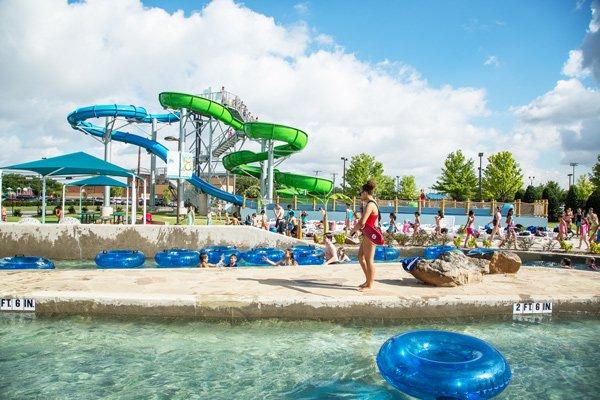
(288, 260)
(204, 261)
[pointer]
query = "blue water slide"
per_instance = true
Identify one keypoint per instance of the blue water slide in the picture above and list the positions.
(77, 120)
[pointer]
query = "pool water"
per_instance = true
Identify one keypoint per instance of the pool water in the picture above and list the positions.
(85, 358)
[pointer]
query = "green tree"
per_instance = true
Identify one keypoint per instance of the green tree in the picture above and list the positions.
(595, 175)
(242, 183)
(520, 194)
(593, 201)
(252, 192)
(167, 195)
(116, 191)
(554, 194)
(15, 181)
(362, 168)
(571, 200)
(584, 188)
(502, 177)
(532, 193)
(408, 188)
(458, 179)
(386, 187)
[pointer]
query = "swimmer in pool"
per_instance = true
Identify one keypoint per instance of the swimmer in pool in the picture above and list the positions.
(288, 260)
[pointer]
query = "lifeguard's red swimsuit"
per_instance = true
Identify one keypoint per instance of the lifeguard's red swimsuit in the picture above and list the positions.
(371, 220)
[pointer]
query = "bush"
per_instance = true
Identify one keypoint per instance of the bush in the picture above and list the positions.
(97, 208)
(462, 230)
(472, 243)
(71, 210)
(420, 239)
(17, 212)
(458, 241)
(389, 238)
(340, 238)
(525, 243)
(566, 246)
(84, 209)
(554, 194)
(487, 243)
(402, 239)
(595, 248)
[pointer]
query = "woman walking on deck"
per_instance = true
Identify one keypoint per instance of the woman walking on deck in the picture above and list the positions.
(369, 225)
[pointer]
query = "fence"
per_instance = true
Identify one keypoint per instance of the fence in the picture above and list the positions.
(451, 207)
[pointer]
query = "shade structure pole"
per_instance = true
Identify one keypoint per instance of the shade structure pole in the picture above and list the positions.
(43, 199)
(80, 196)
(133, 201)
(64, 192)
(127, 204)
(270, 165)
(153, 170)
(144, 203)
(106, 141)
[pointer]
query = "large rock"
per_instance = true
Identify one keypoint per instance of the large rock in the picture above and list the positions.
(451, 269)
(504, 263)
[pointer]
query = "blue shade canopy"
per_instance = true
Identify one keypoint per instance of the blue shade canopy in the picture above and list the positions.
(79, 163)
(99, 181)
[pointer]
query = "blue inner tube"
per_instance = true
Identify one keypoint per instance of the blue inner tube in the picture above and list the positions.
(177, 258)
(386, 253)
(120, 259)
(215, 253)
(434, 252)
(430, 364)
(308, 255)
(255, 256)
(23, 262)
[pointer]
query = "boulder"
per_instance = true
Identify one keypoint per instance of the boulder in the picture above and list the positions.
(451, 269)
(504, 262)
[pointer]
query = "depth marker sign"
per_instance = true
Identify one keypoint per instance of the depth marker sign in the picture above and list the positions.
(533, 308)
(27, 305)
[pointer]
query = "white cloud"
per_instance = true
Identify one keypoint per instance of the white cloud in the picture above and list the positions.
(492, 61)
(591, 44)
(118, 51)
(573, 66)
(301, 8)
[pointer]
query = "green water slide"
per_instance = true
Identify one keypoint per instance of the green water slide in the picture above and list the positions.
(294, 140)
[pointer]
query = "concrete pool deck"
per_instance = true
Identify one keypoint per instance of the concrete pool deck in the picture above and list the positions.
(293, 292)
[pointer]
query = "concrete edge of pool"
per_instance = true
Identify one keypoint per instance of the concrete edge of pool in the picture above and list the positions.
(293, 293)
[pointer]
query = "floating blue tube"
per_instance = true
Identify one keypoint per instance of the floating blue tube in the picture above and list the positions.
(22, 262)
(177, 258)
(120, 259)
(215, 253)
(386, 253)
(308, 255)
(429, 364)
(434, 252)
(255, 256)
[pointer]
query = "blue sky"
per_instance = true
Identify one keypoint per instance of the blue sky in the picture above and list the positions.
(448, 42)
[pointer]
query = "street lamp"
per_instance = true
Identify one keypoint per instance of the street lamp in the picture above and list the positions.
(531, 178)
(570, 175)
(397, 183)
(480, 163)
(344, 159)
(179, 182)
(333, 175)
(171, 139)
(573, 164)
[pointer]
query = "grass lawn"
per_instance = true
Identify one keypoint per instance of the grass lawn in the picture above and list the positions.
(167, 218)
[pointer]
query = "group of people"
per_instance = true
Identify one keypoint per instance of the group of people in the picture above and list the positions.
(238, 104)
(590, 263)
(286, 221)
(586, 225)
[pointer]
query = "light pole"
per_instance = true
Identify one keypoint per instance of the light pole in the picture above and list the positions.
(480, 163)
(397, 183)
(531, 178)
(344, 159)
(317, 171)
(334, 175)
(569, 175)
(573, 164)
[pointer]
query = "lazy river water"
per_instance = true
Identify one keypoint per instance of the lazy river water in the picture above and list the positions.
(80, 357)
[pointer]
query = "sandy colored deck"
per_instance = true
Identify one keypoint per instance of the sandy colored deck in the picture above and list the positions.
(292, 292)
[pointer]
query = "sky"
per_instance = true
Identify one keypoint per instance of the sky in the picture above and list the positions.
(407, 82)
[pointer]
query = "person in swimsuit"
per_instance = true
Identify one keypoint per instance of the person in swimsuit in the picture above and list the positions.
(417, 224)
(392, 227)
(590, 262)
(422, 198)
(562, 228)
(583, 232)
(287, 261)
(469, 227)
(511, 236)
(578, 218)
(366, 251)
(331, 254)
(279, 223)
(264, 222)
(496, 224)
(204, 261)
(349, 217)
(438, 222)
(593, 221)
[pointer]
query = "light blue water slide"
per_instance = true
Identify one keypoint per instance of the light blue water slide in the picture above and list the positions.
(77, 120)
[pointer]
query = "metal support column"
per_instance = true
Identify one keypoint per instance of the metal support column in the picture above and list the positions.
(1, 196)
(153, 171)
(180, 148)
(263, 174)
(106, 140)
(43, 199)
(270, 167)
